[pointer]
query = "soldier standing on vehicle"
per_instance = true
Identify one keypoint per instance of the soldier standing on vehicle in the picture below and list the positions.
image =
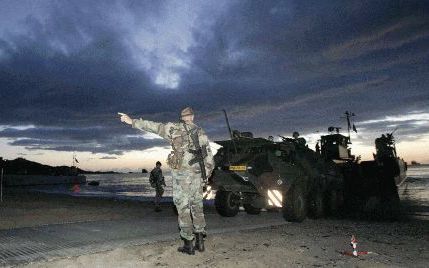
(157, 181)
(191, 161)
(300, 141)
(317, 148)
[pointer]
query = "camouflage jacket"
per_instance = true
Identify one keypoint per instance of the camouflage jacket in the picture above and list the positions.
(156, 178)
(178, 135)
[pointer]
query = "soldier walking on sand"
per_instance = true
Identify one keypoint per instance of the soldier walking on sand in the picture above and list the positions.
(191, 161)
(157, 181)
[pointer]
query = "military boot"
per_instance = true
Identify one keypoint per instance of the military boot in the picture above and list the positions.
(188, 247)
(199, 242)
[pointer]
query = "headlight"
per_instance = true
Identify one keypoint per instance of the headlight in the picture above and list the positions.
(275, 198)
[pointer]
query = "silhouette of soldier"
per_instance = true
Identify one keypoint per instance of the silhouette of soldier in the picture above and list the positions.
(298, 140)
(157, 181)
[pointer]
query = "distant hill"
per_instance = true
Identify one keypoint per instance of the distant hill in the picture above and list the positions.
(21, 166)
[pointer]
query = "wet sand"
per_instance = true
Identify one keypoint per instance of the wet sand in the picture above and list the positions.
(308, 244)
(311, 243)
(28, 209)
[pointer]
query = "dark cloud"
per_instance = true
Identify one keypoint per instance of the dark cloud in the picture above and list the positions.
(293, 65)
(95, 139)
(276, 66)
(26, 154)
(107, 147)
(408, 127)
(108, 157)
(87, 83)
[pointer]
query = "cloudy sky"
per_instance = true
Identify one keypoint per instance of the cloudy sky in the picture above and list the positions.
(67, 68)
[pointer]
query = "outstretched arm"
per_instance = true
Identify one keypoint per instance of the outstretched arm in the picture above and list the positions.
(146, 125)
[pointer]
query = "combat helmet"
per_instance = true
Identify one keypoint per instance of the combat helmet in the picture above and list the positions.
(187, 111)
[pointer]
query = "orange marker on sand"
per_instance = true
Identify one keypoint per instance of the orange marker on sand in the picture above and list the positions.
(355, 253)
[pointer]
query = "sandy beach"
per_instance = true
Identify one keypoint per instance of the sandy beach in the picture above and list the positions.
(28, 209)
(313, 243)
(309, 244)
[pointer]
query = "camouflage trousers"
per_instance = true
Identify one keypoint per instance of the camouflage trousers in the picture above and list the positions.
(188, 198)
(159, 190)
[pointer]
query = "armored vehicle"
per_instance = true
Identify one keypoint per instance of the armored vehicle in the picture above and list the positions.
(258, 173)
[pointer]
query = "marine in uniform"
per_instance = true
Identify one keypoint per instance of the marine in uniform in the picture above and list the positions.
(299, 140)
(157, 181)
(187, 140)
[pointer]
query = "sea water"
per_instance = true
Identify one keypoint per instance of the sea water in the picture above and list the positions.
(133, 186)
(415, 189)
(136, 186)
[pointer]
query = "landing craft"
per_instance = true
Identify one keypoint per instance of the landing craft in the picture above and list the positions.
(370, 186)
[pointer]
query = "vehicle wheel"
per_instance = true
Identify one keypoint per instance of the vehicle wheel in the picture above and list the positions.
(334, 202)
(294, 206)
(340, 203)
(317, 208)
(251, 209)
(227, 203)
(273, 210)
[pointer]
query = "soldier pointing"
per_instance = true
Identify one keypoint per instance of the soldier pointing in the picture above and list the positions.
(191, 161)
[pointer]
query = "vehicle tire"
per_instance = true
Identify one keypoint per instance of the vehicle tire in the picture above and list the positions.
(340, 203)
(226, 203)
(295, 205)
(334, 202)
(316, 207)
(251, 209)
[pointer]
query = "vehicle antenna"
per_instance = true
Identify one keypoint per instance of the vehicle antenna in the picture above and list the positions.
(229, 130)
(349, 115)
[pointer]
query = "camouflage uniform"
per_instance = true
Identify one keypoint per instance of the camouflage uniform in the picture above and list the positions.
(157, 181)
(187, 181)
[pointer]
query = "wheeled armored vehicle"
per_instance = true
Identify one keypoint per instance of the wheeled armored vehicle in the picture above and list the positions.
(258, 173)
